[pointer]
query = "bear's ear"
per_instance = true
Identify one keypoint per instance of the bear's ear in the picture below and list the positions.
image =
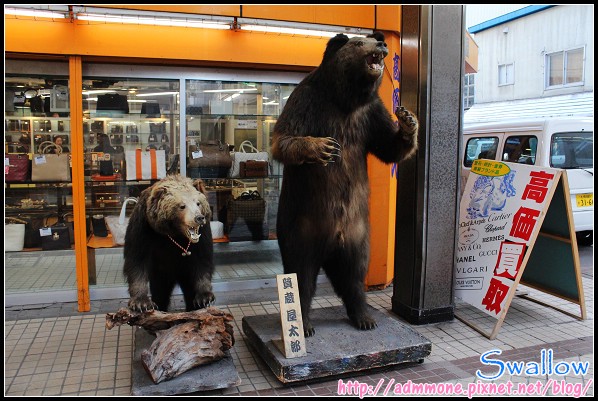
(334, 44)
(158, 193)
(200, 186)
(379, 36)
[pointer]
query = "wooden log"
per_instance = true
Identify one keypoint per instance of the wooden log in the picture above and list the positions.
(183, 341)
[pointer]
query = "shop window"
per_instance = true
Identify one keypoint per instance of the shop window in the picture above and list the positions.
(228, 123)
(37, 187)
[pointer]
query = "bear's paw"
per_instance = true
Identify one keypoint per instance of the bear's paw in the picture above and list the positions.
(142, 304)
(324, 150)
(203, 300)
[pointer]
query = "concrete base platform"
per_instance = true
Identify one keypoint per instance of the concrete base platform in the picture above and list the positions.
(216, 375)
(337, 347)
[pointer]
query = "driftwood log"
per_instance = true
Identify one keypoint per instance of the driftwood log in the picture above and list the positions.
(183, 341)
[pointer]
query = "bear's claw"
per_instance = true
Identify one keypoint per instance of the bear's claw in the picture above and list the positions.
(407, 120)
(142, 304)
(203, 300)
(308, 329)
(364, 323)
(332, 151)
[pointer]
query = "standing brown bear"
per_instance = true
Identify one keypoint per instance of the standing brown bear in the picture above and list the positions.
(169, 242)
(331, 121)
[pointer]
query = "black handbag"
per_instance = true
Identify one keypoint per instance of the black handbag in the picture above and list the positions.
(97, 127)
(32, 226)
(113, 102)
(132, 138)
(36, 104)
(99, 225)
(116, 139)
(151, 109)
(157, 128)
(246, 217)
(56, 236)
(194, 110)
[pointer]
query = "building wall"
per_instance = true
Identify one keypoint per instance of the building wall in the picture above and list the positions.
(525, 44)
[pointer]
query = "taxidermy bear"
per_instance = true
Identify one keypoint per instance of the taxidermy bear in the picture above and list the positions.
(169, 241)
(331, 121)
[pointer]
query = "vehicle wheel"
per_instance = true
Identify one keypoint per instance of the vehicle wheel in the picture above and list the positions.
(585, 238)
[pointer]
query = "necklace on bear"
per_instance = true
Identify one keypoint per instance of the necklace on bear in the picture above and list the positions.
(186, 251)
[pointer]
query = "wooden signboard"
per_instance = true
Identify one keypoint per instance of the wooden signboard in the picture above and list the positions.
(293, 338)
(515, 225)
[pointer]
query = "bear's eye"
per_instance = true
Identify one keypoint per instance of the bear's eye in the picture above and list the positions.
(182, 207)
(359, 43)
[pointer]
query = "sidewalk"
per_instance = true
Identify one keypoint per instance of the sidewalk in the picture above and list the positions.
(53, 350)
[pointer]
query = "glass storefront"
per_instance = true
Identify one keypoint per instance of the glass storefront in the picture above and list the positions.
(175, 113)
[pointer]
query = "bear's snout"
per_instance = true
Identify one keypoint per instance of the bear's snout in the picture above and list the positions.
(200, 219)
(383, 47)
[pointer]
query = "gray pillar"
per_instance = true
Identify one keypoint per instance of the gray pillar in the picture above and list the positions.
(432, 40)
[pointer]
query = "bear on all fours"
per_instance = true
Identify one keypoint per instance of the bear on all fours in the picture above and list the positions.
(168, 242)
(331, 122)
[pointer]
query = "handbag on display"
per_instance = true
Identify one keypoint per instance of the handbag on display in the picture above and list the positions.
(209, 159)
(113, 102)
(36, 104)
(97, 127)
(14, 234)
(59, 98)
(38, 139)
(98, 225)
(50, 166)
(56, 236)
(132, 138)
(32, 226)
(116, 139)
(118, 224)
(151, 109)
(253, 169)
(246, 152)
(246, 217)
(157, 128)
(17, 167)
(145, 165)
(194, 110)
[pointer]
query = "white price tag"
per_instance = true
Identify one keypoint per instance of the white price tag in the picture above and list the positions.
(45, 231)
(197, 154)
(41, 159)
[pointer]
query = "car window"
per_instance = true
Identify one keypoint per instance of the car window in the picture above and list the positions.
(520, 149)
(480, 148)
(572, 150)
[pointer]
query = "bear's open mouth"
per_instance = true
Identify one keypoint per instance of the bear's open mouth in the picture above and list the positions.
(193, 234)
(375, 61)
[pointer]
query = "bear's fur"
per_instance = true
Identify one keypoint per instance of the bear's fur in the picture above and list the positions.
(173, 209)
(332, 120)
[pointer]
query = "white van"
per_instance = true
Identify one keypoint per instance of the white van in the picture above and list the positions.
(563, 142)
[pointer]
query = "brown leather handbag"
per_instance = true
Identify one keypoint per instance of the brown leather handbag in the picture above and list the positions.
(209, 159)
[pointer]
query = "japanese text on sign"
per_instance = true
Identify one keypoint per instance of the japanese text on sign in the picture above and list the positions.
(501, 209)
(290, 316)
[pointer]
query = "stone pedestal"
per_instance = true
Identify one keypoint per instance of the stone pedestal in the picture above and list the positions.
(337, 347)
(216, 375)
